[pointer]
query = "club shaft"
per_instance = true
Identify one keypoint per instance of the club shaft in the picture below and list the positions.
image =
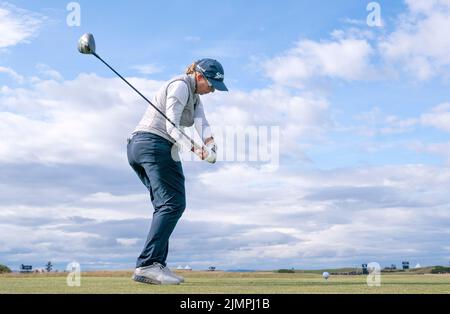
(156, 108)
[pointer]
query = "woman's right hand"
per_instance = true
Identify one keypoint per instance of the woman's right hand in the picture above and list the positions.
(203, 153)
(200, 152)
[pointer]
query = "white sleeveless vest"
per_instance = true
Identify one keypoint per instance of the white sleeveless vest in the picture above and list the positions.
(154, 122)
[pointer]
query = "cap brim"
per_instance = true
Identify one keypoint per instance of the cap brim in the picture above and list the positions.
(218, 85)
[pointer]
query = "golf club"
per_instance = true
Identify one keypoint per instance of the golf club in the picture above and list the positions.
(86, 45)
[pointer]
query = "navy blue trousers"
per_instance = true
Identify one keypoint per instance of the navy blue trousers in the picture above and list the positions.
(150, 157)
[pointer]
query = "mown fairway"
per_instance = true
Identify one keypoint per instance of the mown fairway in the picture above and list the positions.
(224, 282)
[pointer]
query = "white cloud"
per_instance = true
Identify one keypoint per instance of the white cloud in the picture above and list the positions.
(70, 121)
(375, 122)
(299, 193)
(61, 212)
(344, 58)
(420, 44)
(303, 119)
(263, 220)
(128, 242)
(17, 25)
(147, 68)
(424, 7)
(439, 149)
(388, 212)
(17, 77)
(47, 71)
(104, 197)
(439, 117)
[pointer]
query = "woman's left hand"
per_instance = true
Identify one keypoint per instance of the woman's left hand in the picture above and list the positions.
(211, 149)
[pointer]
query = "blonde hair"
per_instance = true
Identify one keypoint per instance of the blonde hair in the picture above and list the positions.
(191, 69)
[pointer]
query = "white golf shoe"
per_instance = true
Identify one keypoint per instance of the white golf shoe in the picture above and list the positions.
(154, 274)
(170, 273)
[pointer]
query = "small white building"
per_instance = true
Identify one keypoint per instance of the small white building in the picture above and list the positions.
(179, 267)
(187, 267)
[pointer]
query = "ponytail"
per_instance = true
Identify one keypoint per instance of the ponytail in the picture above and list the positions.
(191, 69)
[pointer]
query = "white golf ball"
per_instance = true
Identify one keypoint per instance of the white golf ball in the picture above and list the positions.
(326, 275)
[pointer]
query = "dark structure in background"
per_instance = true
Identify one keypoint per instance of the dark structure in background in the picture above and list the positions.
(393, 267)
(49, 267)
(364, 269)
(405, 265)
(26, 268)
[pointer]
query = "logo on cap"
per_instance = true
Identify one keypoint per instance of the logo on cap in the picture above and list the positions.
(219, 76)
(202, 69)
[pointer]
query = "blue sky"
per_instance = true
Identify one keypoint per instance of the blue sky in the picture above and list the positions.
(363, 112)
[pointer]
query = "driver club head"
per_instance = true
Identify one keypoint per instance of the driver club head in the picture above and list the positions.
(86, 44)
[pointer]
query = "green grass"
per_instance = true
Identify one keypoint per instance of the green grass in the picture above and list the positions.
(223, 282)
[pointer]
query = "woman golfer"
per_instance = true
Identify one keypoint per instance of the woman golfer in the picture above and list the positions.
(150, 155)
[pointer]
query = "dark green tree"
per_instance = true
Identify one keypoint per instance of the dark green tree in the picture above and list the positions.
(49, 267)
(4, 269)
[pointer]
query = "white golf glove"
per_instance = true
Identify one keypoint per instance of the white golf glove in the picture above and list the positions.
(211, 149)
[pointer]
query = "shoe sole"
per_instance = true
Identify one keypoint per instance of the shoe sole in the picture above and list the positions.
(151, 281)
(146, 280)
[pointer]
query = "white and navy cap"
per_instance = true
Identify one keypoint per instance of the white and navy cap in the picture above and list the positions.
(212, 70)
